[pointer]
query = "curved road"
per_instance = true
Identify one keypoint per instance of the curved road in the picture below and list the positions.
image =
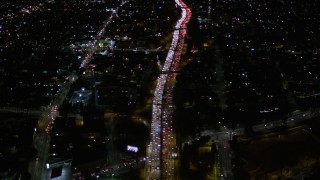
(159, 163)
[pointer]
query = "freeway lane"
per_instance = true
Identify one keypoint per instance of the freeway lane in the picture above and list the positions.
(159, 163)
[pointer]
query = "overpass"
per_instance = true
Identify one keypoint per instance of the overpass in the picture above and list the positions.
(223, 136)
(18, 110)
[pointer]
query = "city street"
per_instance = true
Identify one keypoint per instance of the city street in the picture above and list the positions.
(41, 139)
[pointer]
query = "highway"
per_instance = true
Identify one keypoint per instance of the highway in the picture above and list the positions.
(159, 163)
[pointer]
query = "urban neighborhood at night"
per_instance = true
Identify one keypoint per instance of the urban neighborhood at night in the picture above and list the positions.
(159, 90)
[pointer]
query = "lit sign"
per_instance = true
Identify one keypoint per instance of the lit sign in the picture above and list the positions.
(132, 148)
